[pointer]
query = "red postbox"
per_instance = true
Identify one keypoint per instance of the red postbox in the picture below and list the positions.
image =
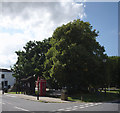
(41, 85)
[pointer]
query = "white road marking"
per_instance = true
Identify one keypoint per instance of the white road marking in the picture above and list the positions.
(74, 109)
(82, 107)
(60, 110)
(75, 106)
(96, 104)
(21, 108)
(2, 102)
(68, 108)
(10, 95)
(92, 105)
(86, 106)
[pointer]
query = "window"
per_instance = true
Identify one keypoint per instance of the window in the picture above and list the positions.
(2, 76)
(6, 83)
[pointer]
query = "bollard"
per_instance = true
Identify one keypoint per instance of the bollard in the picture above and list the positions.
(81, 98)
(38, 96)
(3, 91)
(64, 95)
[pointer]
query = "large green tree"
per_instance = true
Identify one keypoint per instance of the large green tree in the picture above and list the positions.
(75, 59)
(31, 60)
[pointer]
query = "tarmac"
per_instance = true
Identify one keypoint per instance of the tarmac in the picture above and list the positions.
(41, 98)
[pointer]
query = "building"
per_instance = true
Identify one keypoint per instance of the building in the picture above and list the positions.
(6, 78)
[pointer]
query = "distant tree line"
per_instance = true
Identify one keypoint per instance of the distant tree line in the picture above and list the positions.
(71, 58)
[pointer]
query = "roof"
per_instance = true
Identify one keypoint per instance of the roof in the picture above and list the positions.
(5, 70)
(28, 78)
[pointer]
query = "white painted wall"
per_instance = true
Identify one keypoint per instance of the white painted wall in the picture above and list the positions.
(8, 77)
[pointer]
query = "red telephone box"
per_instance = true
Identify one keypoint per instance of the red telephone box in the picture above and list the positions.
(41, 84)
(42, 87)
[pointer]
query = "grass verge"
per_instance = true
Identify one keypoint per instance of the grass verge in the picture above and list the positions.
(14, 93)
(95, 97)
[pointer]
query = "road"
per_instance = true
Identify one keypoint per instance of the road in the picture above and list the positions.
(13, 103)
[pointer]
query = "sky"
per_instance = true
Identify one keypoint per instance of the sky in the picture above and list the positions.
(103, 16)
(21, 22)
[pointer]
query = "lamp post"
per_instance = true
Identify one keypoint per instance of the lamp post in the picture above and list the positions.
(3, 86)
(105, 85)
(38, 86)
(34, 84)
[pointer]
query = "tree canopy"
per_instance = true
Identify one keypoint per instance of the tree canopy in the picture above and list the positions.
(31, 59)
(75, 58)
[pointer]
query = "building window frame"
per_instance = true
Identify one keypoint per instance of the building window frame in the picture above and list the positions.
(2, 76)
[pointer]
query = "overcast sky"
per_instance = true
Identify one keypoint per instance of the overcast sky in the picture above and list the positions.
(22, 22)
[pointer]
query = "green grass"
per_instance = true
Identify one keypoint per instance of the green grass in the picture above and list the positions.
(101, 97)
(112, 91)
(117, 92)
(14, 92)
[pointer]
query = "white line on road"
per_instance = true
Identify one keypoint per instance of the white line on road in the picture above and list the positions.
(21, 108)
(91, 105)
(75, 106)
(10, 96)
(96, 104)
(67, 109)
(60, 110)
(82, 107)
(2, 103)
(74, 109)
(87, 106)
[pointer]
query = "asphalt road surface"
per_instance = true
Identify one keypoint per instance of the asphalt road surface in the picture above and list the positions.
(13, 103)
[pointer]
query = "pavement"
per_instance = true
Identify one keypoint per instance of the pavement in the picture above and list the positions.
(41, 99)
